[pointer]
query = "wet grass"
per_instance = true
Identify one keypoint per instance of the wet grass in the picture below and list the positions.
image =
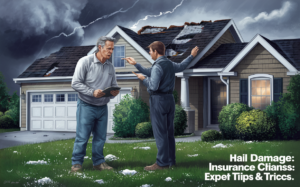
(189, 171)
(150, 139)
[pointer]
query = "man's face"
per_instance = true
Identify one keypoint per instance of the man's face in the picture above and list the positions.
(107, 50)
(153, 54)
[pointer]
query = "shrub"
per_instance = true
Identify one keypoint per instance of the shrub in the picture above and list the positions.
(8, 113)
(127, 114)
(255, 125)
(288, 118)
(175, 95)
(211, 135)
(180, 120)
(14, 108)
(144, 130)
(1, 113)
(6, 122)
(227, 119)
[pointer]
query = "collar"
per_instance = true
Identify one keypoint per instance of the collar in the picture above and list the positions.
(159, 58)
(96, 60)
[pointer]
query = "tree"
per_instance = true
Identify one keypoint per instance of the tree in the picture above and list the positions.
(3, 94)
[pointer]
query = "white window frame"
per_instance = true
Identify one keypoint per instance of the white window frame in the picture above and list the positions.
(259, 77)
(113, 57)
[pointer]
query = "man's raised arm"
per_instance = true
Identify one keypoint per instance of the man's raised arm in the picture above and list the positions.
(179, 67)
(145, 71)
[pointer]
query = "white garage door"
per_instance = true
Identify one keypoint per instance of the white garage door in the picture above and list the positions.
(56, 111)
(53, 111)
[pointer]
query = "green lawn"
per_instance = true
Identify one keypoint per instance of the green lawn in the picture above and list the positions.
(189, 171)
(8, 130)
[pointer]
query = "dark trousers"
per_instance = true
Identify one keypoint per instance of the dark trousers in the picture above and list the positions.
(162, 112)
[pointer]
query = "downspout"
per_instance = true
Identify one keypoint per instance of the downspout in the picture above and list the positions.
(227, 87)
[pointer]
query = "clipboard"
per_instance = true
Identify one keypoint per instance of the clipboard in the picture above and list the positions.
(108, 89)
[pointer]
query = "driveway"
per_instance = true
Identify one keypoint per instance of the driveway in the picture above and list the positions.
(10, 139)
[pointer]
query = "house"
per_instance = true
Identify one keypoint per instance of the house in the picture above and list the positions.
(226, 70)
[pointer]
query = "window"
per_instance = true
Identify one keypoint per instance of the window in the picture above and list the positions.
(119, 52)
(260, 93)
(72, 97)
(60, 97)
(260, 90)
(36, 98)
(48, 98)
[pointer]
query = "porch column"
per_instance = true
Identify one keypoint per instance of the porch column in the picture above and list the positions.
(185, 92)
(185, 100)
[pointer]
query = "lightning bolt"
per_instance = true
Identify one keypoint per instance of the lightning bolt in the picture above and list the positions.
(161, 13)
(85, 26)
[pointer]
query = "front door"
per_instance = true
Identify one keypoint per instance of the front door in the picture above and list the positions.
(217, 99)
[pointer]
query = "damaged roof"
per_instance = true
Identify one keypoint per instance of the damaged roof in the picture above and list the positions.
(209, 30)
(65, 59)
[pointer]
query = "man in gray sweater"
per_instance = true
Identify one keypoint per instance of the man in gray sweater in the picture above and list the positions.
(160, 85)
(93, 73)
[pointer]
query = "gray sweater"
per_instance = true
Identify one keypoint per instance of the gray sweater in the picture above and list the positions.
(90, 74)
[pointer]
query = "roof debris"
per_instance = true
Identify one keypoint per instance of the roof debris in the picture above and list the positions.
(51, 71)
(151, 30)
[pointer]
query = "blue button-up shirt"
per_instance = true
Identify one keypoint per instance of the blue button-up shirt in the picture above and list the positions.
(155, 73)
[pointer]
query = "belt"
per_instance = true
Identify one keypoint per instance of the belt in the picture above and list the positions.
(160, 93)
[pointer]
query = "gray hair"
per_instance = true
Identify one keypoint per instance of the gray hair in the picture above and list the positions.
(101, 41)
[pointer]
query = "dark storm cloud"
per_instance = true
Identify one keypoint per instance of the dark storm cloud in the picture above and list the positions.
(25, 25)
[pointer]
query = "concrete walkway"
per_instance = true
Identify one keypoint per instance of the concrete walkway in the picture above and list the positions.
(16, 138)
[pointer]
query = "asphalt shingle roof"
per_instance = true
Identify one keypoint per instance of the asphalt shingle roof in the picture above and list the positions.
(65, 59)
(221, 56)
(289, 49)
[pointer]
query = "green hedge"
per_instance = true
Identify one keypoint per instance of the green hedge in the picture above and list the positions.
(180, 120)
(211, 135)
(127, 114)
(227, 119)
(144, 130)
(255, 125)
(6, 122)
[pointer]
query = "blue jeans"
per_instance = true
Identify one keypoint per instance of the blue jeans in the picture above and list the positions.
(90, 118)
(162, 112)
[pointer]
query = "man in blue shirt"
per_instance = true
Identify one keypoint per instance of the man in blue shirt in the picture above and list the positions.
(160, 85)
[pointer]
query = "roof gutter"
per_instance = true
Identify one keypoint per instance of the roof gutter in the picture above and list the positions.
(64, 79)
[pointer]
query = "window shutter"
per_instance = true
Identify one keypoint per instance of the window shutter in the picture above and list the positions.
(277, 89)
(244, 91)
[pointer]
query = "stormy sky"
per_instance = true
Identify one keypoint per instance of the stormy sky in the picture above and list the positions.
(29, 28)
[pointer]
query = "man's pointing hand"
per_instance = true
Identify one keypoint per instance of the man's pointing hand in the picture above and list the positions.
(130, 60)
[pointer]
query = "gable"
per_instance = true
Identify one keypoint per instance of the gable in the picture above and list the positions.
(225, 38)
(130, 51)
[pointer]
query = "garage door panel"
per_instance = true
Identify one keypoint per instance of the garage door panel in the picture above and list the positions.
(36, 111)
(48, 111)
(48, 124)
(71, 125)
(60, 111)
(60, 124)
(110, 111)
(110, 125)
(36, 124)
(72, 111)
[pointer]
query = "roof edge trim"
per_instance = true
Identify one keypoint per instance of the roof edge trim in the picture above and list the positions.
(258, 39)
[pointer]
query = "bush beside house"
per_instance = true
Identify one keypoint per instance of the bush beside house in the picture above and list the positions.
(9, 107)
(211, 135)
(280, 120)
(255, 125)
(227, 119)
(127, 114)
